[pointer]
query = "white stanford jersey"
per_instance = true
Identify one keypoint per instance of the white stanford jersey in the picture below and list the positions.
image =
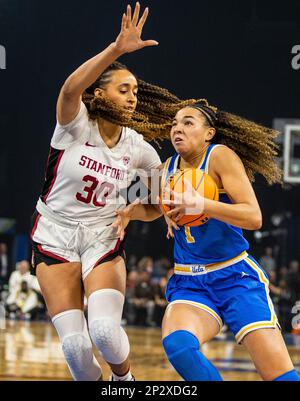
(84, 176)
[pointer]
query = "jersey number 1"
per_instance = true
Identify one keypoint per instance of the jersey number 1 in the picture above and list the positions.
(189, 238)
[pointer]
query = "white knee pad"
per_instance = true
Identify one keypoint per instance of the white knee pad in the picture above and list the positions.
(76, 345)
(105, 309)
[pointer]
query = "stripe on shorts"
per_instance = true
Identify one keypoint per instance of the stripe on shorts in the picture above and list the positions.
(260, 324)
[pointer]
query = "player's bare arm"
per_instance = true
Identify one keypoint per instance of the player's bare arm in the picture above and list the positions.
(128, 40)
(143, 212)
(244, 212)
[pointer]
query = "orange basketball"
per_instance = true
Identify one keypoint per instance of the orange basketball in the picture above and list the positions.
(204, 185)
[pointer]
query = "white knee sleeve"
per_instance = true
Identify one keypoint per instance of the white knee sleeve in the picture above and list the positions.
(76, 345)
(105, 309)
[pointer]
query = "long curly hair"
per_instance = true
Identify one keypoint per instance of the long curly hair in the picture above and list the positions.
(252, 142)
(155, 109)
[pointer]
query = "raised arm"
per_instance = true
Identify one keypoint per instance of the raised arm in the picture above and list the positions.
(128, 40)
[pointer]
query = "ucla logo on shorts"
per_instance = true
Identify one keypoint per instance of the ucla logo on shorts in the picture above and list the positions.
(197, 269)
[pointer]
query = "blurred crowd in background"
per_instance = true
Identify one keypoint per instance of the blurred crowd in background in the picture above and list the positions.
(284, 287)
(146, 283)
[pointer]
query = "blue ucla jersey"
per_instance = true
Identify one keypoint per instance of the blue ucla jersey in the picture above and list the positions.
(212, 242)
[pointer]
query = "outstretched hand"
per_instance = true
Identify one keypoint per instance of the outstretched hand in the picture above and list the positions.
(129, 39)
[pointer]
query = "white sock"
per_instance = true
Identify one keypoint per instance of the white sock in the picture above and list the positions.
(126, 378)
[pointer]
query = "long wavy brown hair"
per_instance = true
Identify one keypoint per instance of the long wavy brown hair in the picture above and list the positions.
(252, 142)
(156, 108)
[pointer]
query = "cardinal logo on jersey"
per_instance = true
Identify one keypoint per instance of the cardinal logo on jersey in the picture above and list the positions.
(126, 160)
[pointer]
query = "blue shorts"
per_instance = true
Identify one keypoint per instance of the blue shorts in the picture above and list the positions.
(237, 294)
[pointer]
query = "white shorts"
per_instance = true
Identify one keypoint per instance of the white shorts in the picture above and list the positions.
(62, 242)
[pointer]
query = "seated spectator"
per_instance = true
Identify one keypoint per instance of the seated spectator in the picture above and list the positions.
(18, 276)
(267, 260)
(143, 300)
(160, 302)
(26, 303)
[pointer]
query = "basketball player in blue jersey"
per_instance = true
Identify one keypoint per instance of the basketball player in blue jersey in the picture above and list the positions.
(215, 279)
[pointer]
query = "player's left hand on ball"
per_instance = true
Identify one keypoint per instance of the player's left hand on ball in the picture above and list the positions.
(184, 203)
(123, 218)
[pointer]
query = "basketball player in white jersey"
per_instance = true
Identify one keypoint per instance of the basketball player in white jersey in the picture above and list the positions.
(76, 250)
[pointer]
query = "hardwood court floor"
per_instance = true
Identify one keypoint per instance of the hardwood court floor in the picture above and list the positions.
(31, 351)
